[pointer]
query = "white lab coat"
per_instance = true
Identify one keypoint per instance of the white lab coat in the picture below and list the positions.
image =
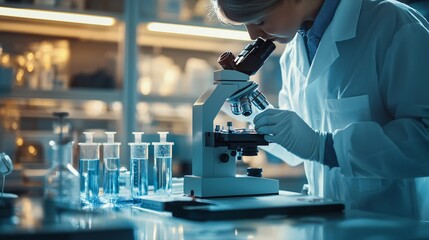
(369, 85)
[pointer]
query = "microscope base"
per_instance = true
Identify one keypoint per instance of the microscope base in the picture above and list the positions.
(229, 186)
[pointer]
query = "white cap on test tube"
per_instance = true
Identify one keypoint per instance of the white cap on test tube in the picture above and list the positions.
(163, 148)
(138, 137)
(89, 149)
(89, 139)
(89, 136)
(163, 138)
(138, 149)
(110, 137)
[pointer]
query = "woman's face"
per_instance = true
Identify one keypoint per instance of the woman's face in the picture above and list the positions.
(280, 24)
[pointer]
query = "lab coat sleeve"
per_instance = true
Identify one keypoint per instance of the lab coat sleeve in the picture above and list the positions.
(400, 148)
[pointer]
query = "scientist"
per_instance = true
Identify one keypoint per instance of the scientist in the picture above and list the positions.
(354, 103)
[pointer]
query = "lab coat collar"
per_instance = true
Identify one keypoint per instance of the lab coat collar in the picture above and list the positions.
(300, 58)
(345, 20)
(342, 27)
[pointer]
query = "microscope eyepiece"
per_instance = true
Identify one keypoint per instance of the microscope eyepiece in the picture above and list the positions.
(250, 59)
(226, 61)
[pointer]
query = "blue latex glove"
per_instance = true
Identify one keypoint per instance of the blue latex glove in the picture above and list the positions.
(287, 129)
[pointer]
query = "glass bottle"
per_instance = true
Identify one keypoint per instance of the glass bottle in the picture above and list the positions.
(62, 180)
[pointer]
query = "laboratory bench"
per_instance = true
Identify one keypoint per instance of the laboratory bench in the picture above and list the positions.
(34, 219)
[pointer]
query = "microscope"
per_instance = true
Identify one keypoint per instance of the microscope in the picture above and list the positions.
(215, 150)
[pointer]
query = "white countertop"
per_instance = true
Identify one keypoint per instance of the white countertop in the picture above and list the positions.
(106, 224)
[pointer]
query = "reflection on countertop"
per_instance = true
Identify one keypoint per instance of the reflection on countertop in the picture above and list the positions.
(34, 220)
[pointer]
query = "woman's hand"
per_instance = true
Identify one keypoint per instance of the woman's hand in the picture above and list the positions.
(287, 129)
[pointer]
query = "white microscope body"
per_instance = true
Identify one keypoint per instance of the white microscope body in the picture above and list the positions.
(214, 167)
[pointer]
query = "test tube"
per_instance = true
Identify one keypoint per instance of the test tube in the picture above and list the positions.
(139, 166)
(89, 169)
(162, 168)
(111, 168)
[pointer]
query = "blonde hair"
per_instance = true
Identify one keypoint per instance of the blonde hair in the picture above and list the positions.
(241, 11)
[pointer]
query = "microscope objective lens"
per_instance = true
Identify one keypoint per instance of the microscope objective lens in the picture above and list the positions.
(259, 100)
(246, 106)
(235, 108)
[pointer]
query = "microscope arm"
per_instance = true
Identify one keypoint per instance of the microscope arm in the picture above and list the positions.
(205, 110)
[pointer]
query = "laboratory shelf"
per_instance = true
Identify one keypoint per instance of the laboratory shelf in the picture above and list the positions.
(72, 94)
(56, 8)
(73, 114)
(175, 99)
(187, 42)
(192, 43)
(105, 34)
(105, 95)
(59, 29)
(113, 34)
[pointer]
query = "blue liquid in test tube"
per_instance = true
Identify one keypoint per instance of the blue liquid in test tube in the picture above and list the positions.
(139, 177)
(162, 169)
(139, 167)
(162, 176)
(89, 169)
(111, 176)
(111, 169)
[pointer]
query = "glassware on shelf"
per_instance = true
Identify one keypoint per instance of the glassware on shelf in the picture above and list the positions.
(51, 59)
(6, 71)
(5, 58)
(48, 3)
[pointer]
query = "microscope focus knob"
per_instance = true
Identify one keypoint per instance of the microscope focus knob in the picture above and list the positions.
(224, 157)
(254, 172)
